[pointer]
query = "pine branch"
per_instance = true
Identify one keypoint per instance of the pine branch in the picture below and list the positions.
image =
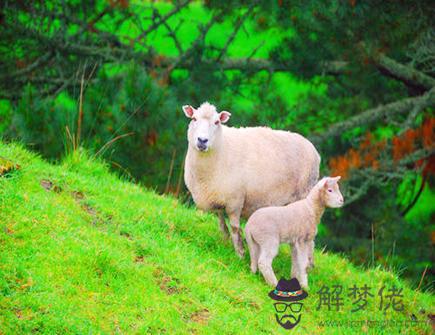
(178, 7)
(376, 114)
(388, 170)
(236, 29)
(407, 74)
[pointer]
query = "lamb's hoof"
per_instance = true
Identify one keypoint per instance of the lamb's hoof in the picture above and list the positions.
(272, 283)
(225, 235)
(240, 253)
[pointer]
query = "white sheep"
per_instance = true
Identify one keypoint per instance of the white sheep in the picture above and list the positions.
(295, 224)
(242, 169)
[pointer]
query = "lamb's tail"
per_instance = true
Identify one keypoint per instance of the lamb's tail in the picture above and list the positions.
(254, 249)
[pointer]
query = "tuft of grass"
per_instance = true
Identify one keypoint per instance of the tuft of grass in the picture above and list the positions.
(83, 251)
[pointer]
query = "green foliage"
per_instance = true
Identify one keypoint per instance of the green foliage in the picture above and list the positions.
(129, 102)
(96, 254)
(41, 122)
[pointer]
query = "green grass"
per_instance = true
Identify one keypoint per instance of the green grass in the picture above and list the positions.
(99, 255)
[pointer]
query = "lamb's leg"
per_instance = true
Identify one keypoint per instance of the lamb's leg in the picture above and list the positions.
(311, 255)
(236, 235)
(295, 265)
(267, 254)
(302, 261)
(254, 250)
(222, 225)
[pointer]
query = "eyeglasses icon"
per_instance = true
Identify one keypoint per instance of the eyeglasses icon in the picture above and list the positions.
(281, 307)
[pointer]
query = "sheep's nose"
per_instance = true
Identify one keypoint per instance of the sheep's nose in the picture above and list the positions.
(341, 200)
(202, 140)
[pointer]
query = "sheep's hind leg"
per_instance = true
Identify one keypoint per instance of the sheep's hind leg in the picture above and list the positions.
(222, 225)
(236, 236)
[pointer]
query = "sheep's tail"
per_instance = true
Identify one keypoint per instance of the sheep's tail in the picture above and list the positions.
(254, 249)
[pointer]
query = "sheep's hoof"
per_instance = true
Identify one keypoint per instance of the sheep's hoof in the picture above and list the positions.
(225, 232)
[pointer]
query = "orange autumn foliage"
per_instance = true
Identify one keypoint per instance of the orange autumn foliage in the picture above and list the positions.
(368, 153)
(121, 3)
(423, 136)
(339, 166)
(428, 133)
(404, 145)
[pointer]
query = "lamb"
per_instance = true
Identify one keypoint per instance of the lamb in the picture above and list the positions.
(295, 224)
(238, 170)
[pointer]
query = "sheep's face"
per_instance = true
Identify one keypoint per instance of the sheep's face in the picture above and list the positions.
(331, 192)
(205, 125)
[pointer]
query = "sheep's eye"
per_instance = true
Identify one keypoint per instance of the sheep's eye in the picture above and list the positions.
(217, 122)
(329, 190)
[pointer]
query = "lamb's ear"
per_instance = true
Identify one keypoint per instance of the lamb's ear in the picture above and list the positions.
(188, 110)
(224, 116)
(324, 183)
(331, 181)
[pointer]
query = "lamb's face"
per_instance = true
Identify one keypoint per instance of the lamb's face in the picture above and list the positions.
(331, 193)
(204, 126)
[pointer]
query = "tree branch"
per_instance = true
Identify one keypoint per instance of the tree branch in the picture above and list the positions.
(375, 114)
(407, 74)
(178, 7)
(416, 197)
(27, 70)
(388, 170)
(236, 29)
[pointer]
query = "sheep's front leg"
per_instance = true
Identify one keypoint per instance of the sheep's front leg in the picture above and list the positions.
(236, 235)
(222, 225)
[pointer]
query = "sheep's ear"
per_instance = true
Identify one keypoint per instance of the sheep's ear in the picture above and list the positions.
(224, 116)
(188, 110)
(336, 179)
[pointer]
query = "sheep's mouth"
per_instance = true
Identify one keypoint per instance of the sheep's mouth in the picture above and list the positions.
(202, 147)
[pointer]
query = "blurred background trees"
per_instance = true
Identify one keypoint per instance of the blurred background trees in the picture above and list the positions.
(355, 77)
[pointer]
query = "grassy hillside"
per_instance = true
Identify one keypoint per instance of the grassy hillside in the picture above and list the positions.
(83, 252)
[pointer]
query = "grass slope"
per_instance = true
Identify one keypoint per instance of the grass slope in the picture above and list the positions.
(83, 252)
